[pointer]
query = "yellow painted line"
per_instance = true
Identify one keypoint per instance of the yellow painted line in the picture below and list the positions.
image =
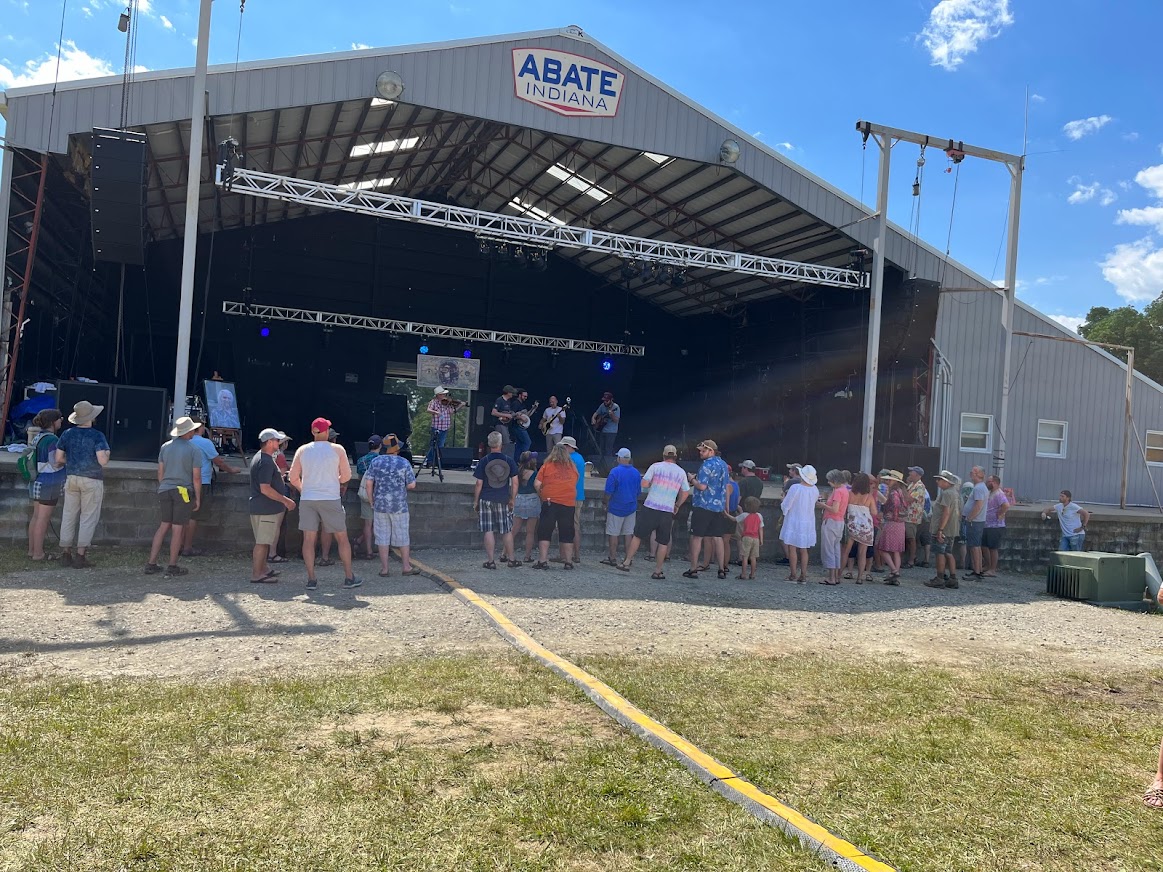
(842, 854)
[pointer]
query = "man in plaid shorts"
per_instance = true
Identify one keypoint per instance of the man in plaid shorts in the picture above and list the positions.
(493, 498)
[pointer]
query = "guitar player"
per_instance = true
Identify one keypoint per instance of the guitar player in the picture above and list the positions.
(605, 422)
(553, 423)
(502, 413)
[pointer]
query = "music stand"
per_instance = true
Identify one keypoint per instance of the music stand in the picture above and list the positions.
(436, 464)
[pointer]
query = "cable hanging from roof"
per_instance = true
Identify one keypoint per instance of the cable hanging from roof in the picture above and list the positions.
(237, 54)
(128, 24)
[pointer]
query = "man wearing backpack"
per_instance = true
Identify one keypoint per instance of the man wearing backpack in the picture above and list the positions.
(46, 480)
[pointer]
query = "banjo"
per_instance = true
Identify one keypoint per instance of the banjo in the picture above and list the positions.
(524, 417)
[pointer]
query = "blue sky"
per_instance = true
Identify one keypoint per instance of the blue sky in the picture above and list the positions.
(798, 76)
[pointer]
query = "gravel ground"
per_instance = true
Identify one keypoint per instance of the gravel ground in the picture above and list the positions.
(106, 622)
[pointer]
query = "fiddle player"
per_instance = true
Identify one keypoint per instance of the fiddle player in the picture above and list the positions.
(442, 407)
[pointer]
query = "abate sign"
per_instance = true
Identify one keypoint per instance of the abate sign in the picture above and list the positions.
(565, 83)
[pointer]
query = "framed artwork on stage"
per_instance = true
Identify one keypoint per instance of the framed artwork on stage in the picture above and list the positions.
(222, 405)
(454, 373)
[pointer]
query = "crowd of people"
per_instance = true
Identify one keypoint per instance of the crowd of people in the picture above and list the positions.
(869, 524)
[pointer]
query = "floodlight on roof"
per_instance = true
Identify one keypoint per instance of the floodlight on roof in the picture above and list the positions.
(575, 181)
(385, 146)
(368, 184)
(390, 85)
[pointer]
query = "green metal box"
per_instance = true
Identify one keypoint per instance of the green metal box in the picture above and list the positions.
(1097, 577)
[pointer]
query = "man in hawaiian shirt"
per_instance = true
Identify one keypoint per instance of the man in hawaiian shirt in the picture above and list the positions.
(388, 480)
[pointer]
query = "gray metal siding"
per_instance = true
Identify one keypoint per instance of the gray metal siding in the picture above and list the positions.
(1056, 381)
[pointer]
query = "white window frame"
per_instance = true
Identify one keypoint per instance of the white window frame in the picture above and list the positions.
(1147, 448)
(988, 449)
(1038, 437)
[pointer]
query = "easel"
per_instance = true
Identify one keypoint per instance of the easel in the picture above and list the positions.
(226, 440)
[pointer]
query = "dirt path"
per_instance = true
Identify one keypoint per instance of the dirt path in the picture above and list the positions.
(106, 622)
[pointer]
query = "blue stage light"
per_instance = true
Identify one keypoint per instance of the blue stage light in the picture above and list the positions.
(423, 349)
(264, 332)
(468, 352)
(607, 365)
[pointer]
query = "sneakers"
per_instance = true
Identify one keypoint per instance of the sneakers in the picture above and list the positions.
(174, 570)
(152, 569)
(952, 583)
(349, 583)
(312, 584)
(79, 562)
(66, 558)
(937, 581)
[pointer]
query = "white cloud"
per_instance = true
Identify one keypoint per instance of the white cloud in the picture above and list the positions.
(1082, 193)
(758, 134)
(1131, 137)
(1070, 322)
(76, 63)
(785, 146)
(1037, 98)
(1148, 216)
(1151, 178)
(1086, 193)
(1136, 270)
(360, 46)
(1124, 184)
(88, 11)
(1075, 130)
(166, 23)
(956, 27)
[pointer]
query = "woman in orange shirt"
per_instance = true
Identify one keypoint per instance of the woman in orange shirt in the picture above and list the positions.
(556, 484)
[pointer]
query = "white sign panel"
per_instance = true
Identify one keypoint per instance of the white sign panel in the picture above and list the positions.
(565, 83)
(454, 373)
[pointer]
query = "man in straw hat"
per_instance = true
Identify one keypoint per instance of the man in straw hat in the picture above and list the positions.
(179, 490)
(84, 452)
(944, 525)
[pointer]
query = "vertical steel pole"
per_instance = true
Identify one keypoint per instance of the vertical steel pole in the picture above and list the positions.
(1007, 315)
(6, 317)
(1127, 427)
(872, 357)
(193, 191)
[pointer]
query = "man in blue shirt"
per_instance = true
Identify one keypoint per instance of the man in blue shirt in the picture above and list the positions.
(84, 452)
(387, 482)
(605, 421)
(709, 507)
(623, 486)
(210, 459)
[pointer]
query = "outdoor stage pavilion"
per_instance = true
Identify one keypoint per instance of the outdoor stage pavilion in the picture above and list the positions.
(772, 367)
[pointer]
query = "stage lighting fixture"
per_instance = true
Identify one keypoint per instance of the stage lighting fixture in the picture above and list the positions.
(264, 332)
(607, 365)
(467, 353)
(506, 351)
(679, 278)
(539, 261)
(629, 270)
(423, 349)
(485, 247)
(123, 23)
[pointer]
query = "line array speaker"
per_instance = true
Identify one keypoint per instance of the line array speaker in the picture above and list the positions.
(118, 180)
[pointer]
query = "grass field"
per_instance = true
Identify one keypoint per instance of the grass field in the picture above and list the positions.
(475, 763)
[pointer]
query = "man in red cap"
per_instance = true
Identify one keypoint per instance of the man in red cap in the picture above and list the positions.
(318, 472)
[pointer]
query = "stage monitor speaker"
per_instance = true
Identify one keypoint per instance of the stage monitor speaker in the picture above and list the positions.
(69, 393)
(453, 458)
(117, 201)
(139, 422)
(900, 456)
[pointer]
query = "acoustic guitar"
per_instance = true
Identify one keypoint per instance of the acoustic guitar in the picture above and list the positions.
(546, 423)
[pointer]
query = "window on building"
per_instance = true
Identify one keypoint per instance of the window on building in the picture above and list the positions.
(1154, 447)
(1051, 439)
(976, 433)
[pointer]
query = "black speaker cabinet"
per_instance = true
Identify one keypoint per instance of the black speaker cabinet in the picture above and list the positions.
(118, 196)
(140, 423)
(899, 456)
(69, 393)
(452, 458)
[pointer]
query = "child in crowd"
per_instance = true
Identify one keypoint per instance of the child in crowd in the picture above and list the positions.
(750, 526)
(527, 507)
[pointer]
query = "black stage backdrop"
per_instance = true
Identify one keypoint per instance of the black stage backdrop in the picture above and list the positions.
(762, 382)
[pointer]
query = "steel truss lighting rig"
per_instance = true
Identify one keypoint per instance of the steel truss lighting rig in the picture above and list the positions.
(431, 331)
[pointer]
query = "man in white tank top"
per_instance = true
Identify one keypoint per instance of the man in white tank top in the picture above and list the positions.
(317, 472)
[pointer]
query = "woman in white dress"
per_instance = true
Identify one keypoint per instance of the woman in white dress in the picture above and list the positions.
(799, 522)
